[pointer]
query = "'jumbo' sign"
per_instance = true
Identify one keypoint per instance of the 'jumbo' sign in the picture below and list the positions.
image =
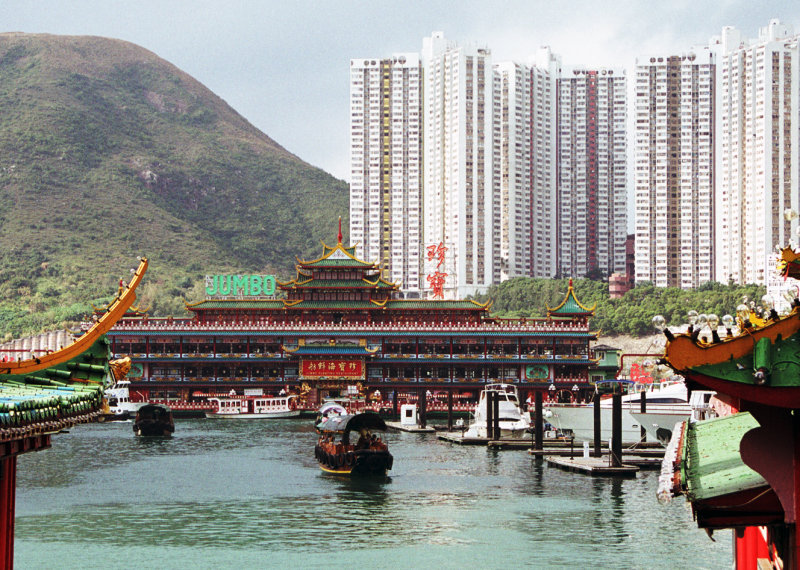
(236, 285)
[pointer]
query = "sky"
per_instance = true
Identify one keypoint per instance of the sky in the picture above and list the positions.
(284, 65)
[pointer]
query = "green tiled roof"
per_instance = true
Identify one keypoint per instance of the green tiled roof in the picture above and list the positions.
(432, 304)
(343, 284)
(571, 306)
(336, 263)
(56, 397)
(238, 304)
(712, 464)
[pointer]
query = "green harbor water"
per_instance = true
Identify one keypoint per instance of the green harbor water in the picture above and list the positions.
(249, 494)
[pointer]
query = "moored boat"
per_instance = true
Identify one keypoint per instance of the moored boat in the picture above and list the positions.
(514, 423)
(660, 423)
(368, 456)
(670, 398)
(154, 420)
(253, 406)
(120, 405)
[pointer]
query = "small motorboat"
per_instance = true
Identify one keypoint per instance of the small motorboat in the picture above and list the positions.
(514, 423)
(368, 456)
(154, 420)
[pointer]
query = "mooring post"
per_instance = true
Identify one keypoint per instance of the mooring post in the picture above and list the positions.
(395, 415)
(496, 404)
(489, 401)
(598, 440)
(616, 430)
(538, 421)
(643, 409)
(450, 409)
(423, 404)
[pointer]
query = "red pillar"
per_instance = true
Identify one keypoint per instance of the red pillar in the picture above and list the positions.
(8, 486)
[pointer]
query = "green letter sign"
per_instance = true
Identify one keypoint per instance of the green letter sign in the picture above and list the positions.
(240, 285)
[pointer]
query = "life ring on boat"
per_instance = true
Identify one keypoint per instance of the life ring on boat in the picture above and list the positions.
(339, 459)
(349, 458)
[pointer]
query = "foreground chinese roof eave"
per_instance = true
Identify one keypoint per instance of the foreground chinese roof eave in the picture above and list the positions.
(116, 310)
(704, 464)
(54, 398)
(761, 364)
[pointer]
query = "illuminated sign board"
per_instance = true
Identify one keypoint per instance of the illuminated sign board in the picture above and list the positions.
(311, 368)
(240, 285)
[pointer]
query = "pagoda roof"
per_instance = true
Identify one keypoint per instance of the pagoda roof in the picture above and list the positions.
(570, 305)
(337, 256)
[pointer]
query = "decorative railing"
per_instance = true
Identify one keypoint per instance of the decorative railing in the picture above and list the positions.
(261, 326)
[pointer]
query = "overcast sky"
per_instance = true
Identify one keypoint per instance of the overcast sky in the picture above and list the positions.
(285, 65)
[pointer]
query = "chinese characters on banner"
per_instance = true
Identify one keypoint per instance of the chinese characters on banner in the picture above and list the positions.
(437, 278)
(331, 367)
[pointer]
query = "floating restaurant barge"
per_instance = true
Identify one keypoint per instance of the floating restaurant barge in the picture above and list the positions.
(341, 324)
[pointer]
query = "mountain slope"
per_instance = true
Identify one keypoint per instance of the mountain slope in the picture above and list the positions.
(108, 152)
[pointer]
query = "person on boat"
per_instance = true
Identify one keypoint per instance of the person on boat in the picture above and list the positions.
(363, 439)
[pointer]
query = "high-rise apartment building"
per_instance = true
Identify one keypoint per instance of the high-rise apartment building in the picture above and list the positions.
(386, 167)
(592, 171)
(525, 166)
(757, 174)
(457, 164)
(674, 168)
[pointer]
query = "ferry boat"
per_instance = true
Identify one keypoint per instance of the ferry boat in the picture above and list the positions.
(252, 406)
(514, 423)
(154, 420)
(669, 397)
(368, 456)
(120, 404)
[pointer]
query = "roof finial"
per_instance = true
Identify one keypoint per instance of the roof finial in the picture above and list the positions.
(340, 230)
(570, 282)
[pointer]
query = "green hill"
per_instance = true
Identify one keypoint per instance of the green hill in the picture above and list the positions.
(108, 152)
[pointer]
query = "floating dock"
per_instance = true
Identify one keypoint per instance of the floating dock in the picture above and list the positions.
(595, 466)
(409, 428)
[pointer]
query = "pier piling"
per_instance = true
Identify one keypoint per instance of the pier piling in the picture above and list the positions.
(643, 409)
(616, 429)
(538, 422)
(598, 443)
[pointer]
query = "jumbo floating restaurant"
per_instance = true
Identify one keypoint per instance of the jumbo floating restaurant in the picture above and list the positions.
(340, 324)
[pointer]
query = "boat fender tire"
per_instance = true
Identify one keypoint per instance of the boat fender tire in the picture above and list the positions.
(350, 458)
(339, 460)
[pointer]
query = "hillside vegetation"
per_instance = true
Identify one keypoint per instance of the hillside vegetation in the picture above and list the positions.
(630, 315)
(108, 152)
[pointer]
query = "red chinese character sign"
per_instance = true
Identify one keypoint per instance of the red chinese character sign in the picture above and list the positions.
(639, 375)
(437, 253)
(311, 368)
